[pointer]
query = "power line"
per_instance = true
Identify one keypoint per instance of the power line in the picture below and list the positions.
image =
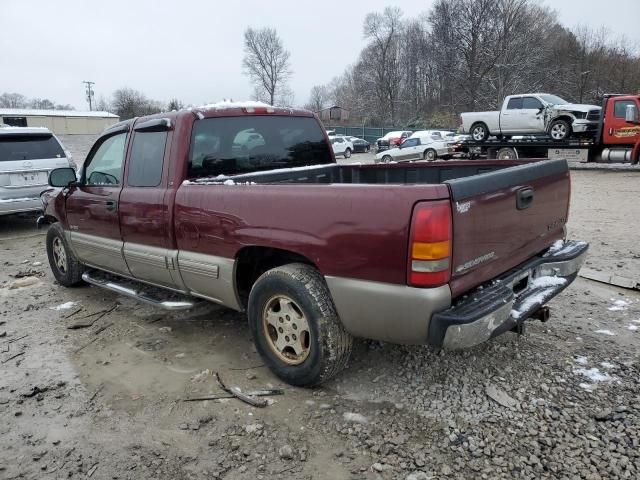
(89, 92)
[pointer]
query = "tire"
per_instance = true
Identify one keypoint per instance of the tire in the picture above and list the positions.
(64, 265)
(368, 149)
(430, 154)
(507, 153)
(479, 132)
(347, 153)
(559, 130)
(387, 159)
(297, 293)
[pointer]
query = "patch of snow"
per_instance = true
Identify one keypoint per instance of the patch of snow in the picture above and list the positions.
(230, 104)
(355, 417)
(560, 247)
(605, 332)
(607, 365)
(64, 306)
(221, 178)
(636, 321)
(633, 328)
(543, 282)
(229, 182)
(582, 360)
(587, 386)
(593, 374)
(619, 305)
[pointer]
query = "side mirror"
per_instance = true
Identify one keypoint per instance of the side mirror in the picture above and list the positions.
(631, 114)
(62, 177)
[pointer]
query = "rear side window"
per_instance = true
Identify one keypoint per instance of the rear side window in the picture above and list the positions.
(514, 103)
(29, 147)
(147, 159)
(245, 144)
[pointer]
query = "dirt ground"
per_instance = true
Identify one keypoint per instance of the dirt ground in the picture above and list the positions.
(105, 401)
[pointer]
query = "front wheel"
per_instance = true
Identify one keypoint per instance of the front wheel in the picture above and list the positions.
(430, 154)
(347, 153)
(64, 265)
(559, 130)
(387, 159)
(295, 326)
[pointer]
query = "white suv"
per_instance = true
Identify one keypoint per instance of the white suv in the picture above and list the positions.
(27, 155)
(341, 146)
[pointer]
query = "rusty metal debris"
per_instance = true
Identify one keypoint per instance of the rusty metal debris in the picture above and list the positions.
(255, 393)
(256, 402)
(610, 279)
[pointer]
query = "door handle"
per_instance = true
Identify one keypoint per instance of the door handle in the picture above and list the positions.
(524, 198)
(111, 205)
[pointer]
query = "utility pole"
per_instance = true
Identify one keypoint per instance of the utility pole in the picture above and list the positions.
(89, 92)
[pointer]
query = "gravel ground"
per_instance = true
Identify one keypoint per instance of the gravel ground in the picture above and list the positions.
(104, 401)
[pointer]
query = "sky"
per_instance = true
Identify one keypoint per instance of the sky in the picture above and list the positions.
(193, 49)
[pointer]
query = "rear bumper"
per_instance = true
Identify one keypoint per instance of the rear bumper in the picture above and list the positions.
(20, 204)
(509, 300)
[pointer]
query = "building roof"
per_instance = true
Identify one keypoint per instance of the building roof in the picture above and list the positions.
(28, 112)
(5, 130)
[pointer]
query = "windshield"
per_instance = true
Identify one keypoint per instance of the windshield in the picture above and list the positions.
(553, 100)
(233, 145)
(29, 147)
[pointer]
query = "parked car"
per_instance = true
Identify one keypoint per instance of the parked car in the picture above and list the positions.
(391, 139)
(536, 113)
(359, 145)
(289, 236)
(429, 147)
(27, 155)
(341, 146)
(427, 133)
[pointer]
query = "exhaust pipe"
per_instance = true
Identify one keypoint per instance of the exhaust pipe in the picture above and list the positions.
(542, 314)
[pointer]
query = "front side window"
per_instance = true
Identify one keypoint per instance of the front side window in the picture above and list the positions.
(105, 167)
(147, 157)
(620, 108)
(281, 142)
(514, 103)
(531, 103)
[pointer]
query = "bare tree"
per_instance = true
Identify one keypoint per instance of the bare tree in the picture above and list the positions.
(317, 98)
(13, 100)
(129, 103)
(175, 104)
(266, 62)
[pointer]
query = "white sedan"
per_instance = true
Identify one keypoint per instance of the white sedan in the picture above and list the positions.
(416, 148)
(341, 146)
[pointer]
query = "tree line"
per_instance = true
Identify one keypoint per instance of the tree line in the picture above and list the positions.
(17, 100)
(465, 55)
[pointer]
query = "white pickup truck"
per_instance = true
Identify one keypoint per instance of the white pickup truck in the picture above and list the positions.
(533, 113)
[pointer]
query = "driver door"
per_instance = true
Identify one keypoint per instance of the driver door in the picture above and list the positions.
(92, 206)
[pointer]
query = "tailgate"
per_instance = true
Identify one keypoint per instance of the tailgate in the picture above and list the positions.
(502, 218)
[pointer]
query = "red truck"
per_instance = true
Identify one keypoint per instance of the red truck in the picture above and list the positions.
(190, 205)
(616, 138)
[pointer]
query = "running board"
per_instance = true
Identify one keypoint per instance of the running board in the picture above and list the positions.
(129, 290)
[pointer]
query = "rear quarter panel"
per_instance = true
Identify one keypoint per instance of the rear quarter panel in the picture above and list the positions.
(354, 231)
(491, 119)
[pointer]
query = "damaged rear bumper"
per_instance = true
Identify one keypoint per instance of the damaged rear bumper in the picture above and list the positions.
(509, 300)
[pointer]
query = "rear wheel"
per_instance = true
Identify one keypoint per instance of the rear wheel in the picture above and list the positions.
(295, 326)
(507, 153)
(347, 153)
(479, 132)
(64, 265)
(560, 130)
(430, 154)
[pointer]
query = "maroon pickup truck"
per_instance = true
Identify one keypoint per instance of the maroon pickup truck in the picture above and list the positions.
(244, 205)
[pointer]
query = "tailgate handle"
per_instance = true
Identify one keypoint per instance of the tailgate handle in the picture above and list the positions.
(524, 198)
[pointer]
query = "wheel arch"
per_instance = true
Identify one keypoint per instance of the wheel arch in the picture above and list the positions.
(252, 261)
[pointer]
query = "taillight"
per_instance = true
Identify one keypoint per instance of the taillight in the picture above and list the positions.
(429, 262)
